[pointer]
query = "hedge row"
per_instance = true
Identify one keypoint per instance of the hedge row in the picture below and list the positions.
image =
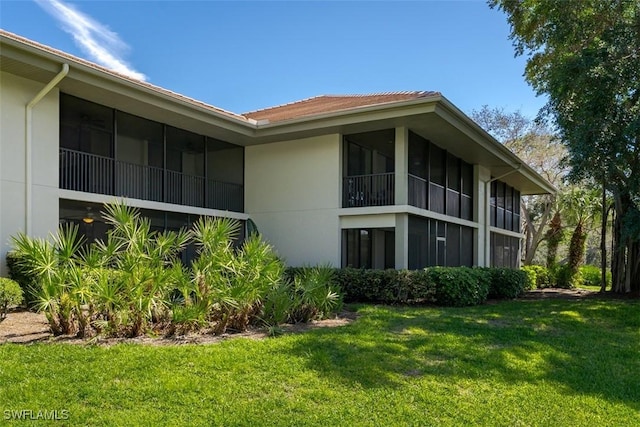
(447, 286)
(561, 276)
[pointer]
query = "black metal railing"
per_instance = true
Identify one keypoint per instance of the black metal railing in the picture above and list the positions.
(368, 190)
(91, 173)
(86, 172)
(417, 191)
(224, 196)
(183, 189)
(139, 181)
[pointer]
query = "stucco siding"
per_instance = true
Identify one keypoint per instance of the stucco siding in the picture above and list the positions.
(292, 193)
(16, 93)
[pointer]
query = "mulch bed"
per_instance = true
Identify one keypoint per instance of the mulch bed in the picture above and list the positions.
(25, 327)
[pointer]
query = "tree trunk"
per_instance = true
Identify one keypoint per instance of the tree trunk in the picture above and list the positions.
(534, 236)
(603, 239)
(625, 263)
(576, 247)
(554, 237)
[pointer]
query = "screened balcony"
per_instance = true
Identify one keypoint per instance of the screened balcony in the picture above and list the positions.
(91, 173)
(106, 151)
(369, 178)
(368, 190)
(439, 181)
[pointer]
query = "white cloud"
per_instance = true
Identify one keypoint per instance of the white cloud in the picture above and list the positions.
(101, 44)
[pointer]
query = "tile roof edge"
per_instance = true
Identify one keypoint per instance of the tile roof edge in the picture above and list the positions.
(347, 111)
(419, 93)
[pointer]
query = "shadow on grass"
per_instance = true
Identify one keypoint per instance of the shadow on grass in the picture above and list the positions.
(586, 347)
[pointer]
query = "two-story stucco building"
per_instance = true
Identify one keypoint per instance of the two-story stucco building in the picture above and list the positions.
(402, 180)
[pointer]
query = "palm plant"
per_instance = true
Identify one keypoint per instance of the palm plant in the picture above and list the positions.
(316, 294)
(278, 304)
(145, 259)
(53, 263)
(212, 270)
(255, 271)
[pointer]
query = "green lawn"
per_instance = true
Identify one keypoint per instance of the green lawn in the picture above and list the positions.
(547, 362)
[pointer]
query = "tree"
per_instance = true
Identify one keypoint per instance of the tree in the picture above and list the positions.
(583, 207)
(584, 56)
(554, 236)
(537, 145)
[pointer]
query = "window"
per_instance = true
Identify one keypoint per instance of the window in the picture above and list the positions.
(368, 248)
(85, 126)
(140, 155)
(418, 158)
(433, 242)
(368, 166)
(438, 180)
(111, 152)
(225, 175)
(436, 165)
(466, 200)
(504, 209)
(505, 251)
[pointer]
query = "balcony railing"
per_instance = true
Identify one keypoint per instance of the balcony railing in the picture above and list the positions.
(103, 175)
(368, 190)
(418, 191)
(138, 181)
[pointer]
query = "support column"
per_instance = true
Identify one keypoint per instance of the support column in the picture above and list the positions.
(482, 193)
(401, 187)
(402, 241)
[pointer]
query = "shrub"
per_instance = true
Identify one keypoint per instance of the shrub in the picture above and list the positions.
(544, 278)
(377, 286)
(531, 277)
(21, 273)
(279, 303)
(134, 281)
(456, 286)
(385, 286)
(507, 283)
(566, 278)
(459, 286)
(418, 285)
(10, 294)
(592, 276)
(315, 295)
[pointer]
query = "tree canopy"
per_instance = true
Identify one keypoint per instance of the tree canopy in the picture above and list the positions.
(586, 57)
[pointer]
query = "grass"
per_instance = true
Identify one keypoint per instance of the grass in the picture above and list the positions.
(546, 362)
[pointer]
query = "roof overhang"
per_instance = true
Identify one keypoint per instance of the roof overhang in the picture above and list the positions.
(138, 98)
(432, 117)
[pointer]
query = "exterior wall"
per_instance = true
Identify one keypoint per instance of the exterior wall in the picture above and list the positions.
(16, 93)
(292, 193)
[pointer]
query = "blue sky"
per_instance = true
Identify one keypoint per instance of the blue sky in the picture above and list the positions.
(243, 55)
